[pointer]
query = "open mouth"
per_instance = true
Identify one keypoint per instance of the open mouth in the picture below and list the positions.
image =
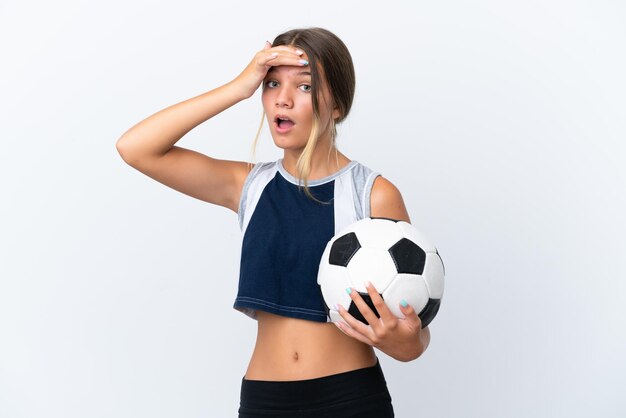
(283, 122)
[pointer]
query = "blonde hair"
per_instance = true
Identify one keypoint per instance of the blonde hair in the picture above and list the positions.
(303, 165)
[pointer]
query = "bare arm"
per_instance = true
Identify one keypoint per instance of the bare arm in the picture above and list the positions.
(149, 146)
(154, 136)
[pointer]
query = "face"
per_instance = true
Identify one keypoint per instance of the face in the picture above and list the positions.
(289, 108)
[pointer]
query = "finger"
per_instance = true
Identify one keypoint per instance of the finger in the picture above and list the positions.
(269, 52)
(288, 48)
(287, 58)
(411, 317)
(387, 318)
(354, 323)
(346, 329)
(364, 308)
(263, 61)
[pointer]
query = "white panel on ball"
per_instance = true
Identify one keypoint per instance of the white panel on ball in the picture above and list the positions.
(335, 316)
(415, 235)
(371, 237)
(409, 287)
(374, 265)
(333, 281)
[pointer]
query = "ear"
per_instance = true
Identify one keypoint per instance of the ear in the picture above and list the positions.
(336, 113)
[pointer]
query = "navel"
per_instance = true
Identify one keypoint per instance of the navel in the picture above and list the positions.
(295, 356)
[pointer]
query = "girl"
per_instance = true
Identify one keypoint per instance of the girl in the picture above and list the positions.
(302, 365)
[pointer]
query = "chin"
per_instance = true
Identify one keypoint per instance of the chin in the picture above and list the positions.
(285, 143)
(291, 147)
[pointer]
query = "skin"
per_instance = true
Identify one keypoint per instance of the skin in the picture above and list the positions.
(286, 348)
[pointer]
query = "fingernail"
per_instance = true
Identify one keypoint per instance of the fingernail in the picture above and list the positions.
(403, 303)
(274, 54)
(348, 290)
(299, 52)
(367, 284)
(304, 62)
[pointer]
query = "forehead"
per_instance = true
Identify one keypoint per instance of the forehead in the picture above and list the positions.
(289, 70)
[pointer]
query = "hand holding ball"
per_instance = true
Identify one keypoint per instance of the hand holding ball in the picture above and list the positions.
(399, 261)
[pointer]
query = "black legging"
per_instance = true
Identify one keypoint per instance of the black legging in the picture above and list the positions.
(359, 393)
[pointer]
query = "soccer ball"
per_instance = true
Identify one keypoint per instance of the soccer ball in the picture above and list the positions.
(394, 256)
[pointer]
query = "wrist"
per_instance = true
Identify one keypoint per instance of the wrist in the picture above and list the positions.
(242, 89)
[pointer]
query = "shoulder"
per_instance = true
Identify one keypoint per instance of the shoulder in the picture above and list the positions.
(386, 201)
(265, 165)
(257, 169)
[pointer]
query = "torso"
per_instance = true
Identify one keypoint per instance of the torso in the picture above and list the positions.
(297, 349)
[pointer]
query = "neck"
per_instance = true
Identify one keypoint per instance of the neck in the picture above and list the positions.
(323, 164)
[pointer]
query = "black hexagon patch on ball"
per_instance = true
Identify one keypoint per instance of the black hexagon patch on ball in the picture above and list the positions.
(343, 249)
(408, 256)
(430, 310)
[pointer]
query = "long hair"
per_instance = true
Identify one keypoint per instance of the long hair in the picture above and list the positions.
(326, 50)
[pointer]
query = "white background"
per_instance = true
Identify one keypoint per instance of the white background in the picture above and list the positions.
(502, 123)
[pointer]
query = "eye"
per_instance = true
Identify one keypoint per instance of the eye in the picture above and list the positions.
(305, 88)
(271, 83)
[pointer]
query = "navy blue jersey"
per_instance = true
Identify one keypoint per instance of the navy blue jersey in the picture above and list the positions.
(285, 233)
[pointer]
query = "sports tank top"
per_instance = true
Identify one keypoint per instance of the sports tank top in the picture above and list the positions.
(285, 232)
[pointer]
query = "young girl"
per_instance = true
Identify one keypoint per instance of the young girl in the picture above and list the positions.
(302, 364)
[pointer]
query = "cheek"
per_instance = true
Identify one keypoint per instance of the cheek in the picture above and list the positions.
(265, 99)
(268, 96)
(307, 105)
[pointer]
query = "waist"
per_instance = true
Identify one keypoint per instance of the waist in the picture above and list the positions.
(289, 349)
(362, 386)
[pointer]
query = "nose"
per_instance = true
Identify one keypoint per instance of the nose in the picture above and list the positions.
(283, 98)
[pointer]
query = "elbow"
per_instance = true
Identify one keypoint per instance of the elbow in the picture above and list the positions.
(415, 354)
(424, 341)
(121, 145)
(419, 348)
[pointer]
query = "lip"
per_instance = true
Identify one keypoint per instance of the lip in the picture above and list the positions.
(278, 128)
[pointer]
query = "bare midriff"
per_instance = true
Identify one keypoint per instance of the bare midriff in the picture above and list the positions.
(297, 349)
